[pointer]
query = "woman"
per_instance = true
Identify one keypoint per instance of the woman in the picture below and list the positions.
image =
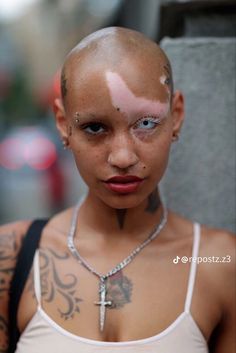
(107, 275)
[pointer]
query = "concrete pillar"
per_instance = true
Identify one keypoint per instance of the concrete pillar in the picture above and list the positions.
(200, 181)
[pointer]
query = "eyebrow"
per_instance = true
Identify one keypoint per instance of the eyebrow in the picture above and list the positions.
(142, 111)
(84, 115)
(134, 118)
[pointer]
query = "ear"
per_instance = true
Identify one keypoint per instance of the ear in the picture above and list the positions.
(60, 117)
(177, 112)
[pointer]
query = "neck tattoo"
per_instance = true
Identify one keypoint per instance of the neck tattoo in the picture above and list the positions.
(120, 213)
(103, 303)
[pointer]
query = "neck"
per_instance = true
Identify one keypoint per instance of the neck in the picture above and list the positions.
(130, 222)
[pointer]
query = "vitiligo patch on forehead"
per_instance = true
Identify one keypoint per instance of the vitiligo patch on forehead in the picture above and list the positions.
(165, 82)
(163, 79)
(129, 104)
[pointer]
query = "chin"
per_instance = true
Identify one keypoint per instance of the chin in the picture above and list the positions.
(124, 200)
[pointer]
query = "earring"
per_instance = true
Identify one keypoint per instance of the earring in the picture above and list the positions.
(175, 137)
(65, 142)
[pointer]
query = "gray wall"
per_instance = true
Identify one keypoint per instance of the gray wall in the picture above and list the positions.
(200, 181)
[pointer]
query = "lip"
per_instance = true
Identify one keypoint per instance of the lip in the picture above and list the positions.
(123, 184)
(124, 179)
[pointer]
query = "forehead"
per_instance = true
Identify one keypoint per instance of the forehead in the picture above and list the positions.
(88, 83)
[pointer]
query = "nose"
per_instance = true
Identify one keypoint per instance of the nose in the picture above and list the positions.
(122, 154)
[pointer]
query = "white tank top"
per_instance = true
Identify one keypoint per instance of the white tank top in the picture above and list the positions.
(43, 335)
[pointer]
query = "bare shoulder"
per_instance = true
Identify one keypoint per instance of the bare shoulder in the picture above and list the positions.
(217, 253)
(218, 250)
(219, 242)
(217, 256)
(11, 236)
(18, 228)
(214, 242)
(219, 246)
(56, 229)
(61, 221)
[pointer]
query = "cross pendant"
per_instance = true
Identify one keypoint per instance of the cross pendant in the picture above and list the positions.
(103, 303)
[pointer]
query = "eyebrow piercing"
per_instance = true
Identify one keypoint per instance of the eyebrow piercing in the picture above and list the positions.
(77, 117)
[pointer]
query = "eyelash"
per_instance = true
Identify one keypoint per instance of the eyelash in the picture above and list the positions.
(84, 127)
(152, 119)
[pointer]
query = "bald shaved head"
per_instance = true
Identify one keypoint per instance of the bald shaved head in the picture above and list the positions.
(117, 114)
(115, 48)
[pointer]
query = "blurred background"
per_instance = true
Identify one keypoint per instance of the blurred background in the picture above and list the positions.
(39, 178)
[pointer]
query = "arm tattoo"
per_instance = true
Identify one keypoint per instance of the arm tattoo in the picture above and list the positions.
(120, 213)
(54, 285)
(119, 290)
(9, 246)
(63, 84)
(8, 250)
(154, 202)
(4, 335)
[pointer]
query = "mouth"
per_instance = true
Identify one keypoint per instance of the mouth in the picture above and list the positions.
(123, 184)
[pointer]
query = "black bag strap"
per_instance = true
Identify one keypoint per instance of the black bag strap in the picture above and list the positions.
(21, 273)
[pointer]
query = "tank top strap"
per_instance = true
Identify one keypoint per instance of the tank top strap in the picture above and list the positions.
(37, 285)
(193, 266)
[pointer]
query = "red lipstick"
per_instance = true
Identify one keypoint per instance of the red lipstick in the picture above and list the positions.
(123, 184)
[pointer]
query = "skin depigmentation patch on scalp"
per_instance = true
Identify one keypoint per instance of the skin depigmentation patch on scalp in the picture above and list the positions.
(163, 79)
(128, 103)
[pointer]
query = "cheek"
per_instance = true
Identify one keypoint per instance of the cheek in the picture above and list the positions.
(88, 161)
(84, 166)
(156, 157)
(145, 136)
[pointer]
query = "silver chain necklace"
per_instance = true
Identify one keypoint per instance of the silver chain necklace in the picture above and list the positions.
(102, 278)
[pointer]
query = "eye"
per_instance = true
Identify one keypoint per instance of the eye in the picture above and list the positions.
(94, 128)
(147, 123)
